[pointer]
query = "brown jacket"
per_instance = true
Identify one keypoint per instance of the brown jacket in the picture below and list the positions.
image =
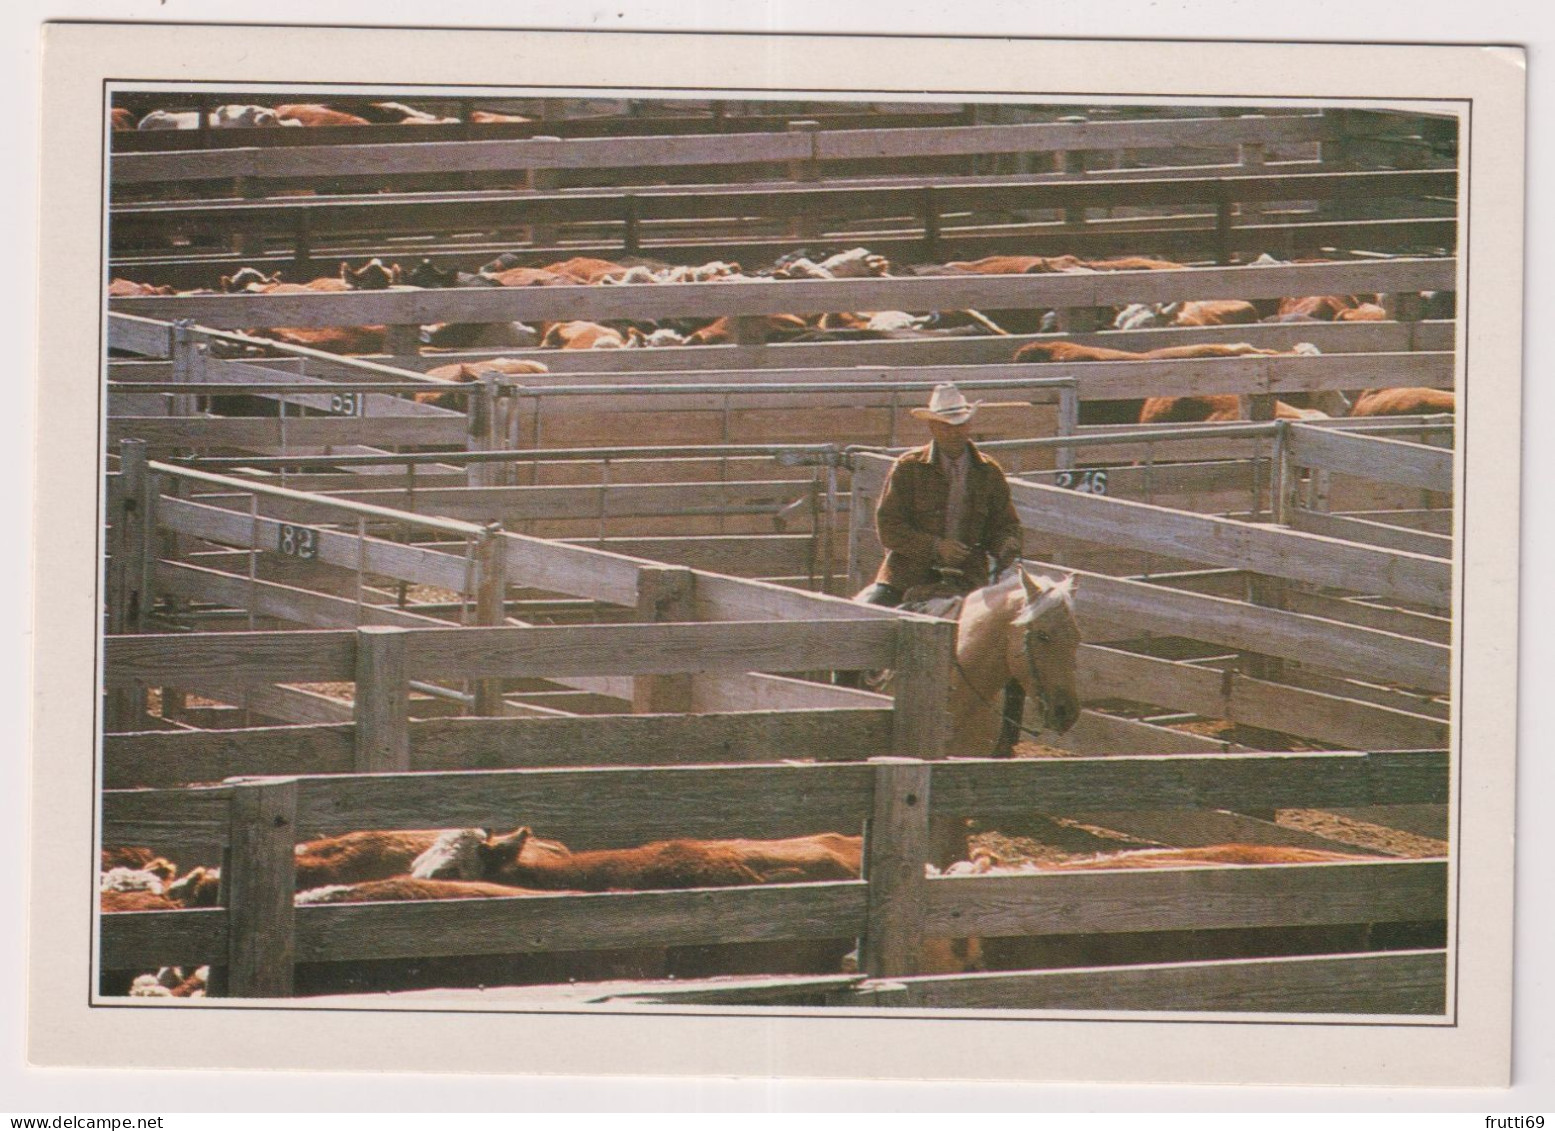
(911, 517)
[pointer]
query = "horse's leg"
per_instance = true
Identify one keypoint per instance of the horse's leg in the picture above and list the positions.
(1014, 711)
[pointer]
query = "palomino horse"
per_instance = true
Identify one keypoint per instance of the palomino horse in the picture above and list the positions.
(1014, 629)
(1020, 628)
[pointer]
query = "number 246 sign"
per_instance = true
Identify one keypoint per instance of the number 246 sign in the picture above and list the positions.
(1089, 482)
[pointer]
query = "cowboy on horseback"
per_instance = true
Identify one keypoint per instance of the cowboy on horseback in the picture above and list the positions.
(945, 513)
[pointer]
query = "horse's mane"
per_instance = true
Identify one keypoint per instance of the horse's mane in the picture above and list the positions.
(1053, 594)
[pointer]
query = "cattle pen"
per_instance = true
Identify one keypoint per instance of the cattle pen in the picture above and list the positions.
(606, 596)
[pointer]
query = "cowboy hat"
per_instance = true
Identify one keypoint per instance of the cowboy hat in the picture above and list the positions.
(947, 404)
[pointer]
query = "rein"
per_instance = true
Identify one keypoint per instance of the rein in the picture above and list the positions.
(1031, 665)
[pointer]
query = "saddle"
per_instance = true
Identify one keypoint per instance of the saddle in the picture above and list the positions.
(940, 598)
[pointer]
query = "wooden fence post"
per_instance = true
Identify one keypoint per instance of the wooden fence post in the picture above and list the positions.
(258, 883)
(382, 723)
(1068, 424)
(931, 224)
(1252, 156)
(124, 708)
(896, 848)
(482, 416)
(805, 169)
(664, 593)
(491, 587)
(920, 723)
(920, 720)
(863, 545)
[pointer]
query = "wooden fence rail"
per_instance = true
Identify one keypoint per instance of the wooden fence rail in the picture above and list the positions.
(986, 292)
(726, 149)
(1295, 556)
(309, 220)
(259, 934)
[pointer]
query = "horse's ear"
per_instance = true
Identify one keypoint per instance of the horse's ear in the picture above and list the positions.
(1032, 585)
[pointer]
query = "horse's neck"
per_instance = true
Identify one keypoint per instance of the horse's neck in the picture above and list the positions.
(981, 643)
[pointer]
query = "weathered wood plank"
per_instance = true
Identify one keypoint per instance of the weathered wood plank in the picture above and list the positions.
(600, 807)
(1403, 622)
(535, 924)
(1239, 782)
(240, 658)
(647, 649)
(754, 692)
(578, 570)
(145, 940)
(1330, 337)
(896, 850)
(142, 336)
(740, 555)
(1099, 734)
(335, 547)
(257, 882)
(381, 723)
(172, 758)
(1372, 533)
(1405, 983)
(1262, 895)
(1104, 605)
(1194, 828)
(826, 734)
(286, 602)
(426, 213)
(264, 434)
(1283, 553)
(727, 598)
(1372, 457)
(1422, 820)
(1107, 673)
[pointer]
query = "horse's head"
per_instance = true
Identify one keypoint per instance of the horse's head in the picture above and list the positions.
(1042, 645)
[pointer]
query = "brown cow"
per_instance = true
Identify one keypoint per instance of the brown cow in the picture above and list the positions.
(720, 331)
(1217, 312)
(581, 336)
(583, 269)
(1405, 402)
(491, 116)
(399, 889)
(315, 114)
(528, 277)
(522, 859)
(1051, 264)
(330, 339)
(200, 887)
(357, 857)
(1132, 411)
(124, 288)
(1325, 308)
(126, 857)
(121, 119)
(1066, 351)
(471, 371)
(113, 902)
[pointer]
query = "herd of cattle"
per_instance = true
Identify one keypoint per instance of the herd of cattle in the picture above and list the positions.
(236, 116)
(395, 866)
(508, 270)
